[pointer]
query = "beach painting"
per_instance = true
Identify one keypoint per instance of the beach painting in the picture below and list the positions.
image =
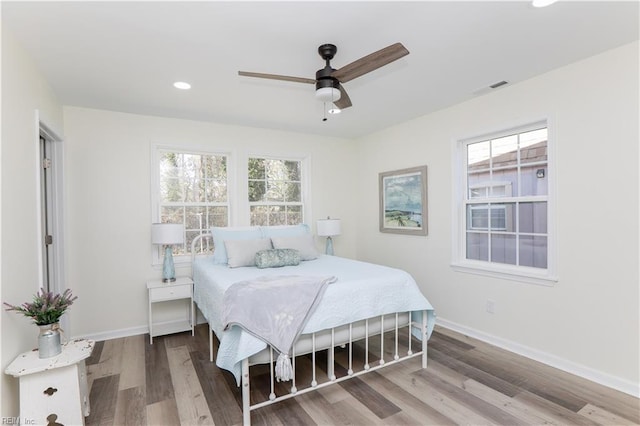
(403, 201)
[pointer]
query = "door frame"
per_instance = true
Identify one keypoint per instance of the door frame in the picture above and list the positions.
(57, 278)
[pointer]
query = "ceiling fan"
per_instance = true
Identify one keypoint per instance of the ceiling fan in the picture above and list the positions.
(329, 81)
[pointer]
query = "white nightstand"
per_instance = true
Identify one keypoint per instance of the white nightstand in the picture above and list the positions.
(53, 387)
(181, 288)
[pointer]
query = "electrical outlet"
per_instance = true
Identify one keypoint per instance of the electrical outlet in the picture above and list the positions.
(491, 306)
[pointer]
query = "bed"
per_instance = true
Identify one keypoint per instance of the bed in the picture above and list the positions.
(366, 302)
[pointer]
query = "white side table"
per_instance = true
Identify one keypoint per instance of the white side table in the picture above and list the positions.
(54, 386)
(181, 288)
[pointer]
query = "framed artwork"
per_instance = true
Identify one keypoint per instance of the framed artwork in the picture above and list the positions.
(403, 201)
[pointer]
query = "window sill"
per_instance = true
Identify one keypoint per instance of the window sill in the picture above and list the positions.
(526, 275)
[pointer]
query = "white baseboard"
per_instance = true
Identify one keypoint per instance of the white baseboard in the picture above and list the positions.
(126, 332)
(588, 373)
(115, 334)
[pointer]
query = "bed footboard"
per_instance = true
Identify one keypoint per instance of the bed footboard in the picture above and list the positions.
(376, 332)
(348, 350)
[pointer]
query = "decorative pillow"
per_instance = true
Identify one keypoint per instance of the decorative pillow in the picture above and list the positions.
(304, 244)
(285, 231)
(220, 235)
(276, 258)
(243, 252)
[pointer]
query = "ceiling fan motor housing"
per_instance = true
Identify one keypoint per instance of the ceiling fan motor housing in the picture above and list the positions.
(324, 79)
(324, 76)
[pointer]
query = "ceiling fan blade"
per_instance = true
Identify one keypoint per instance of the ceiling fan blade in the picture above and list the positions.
(370, 62)
(277, 77)
(344, 101)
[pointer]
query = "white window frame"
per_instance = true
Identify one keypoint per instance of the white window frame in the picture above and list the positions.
(459, 262)
(490, 185)
(491, 208)
(156, 149)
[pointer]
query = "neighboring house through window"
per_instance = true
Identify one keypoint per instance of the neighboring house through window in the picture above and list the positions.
(504, 206)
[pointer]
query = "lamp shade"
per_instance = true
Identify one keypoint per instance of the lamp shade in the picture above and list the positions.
(328, 227)
(167, 233)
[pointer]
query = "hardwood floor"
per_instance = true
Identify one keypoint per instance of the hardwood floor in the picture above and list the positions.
(467, 382)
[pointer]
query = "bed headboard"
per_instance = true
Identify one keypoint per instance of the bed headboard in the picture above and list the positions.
(200, 239)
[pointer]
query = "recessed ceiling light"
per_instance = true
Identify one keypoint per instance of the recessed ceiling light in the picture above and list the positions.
(334, 111)
(182, 85)
(543, 3)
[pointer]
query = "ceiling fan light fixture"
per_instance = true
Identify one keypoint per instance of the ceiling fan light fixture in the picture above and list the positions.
(328, 94)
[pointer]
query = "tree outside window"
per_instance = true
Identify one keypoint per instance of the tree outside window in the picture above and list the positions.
(193, 191)
(275, 191)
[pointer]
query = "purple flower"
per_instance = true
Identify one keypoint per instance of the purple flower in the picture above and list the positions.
(46, 307)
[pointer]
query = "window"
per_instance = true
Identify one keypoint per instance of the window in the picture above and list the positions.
(479, 217)
(504, 211)
(191, 190)
(275, 191)
(201, 189)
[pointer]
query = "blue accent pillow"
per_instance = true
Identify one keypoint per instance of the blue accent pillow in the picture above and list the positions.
(276, 258)
(220, 234)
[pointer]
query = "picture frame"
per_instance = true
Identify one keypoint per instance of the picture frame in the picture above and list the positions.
(403, 201)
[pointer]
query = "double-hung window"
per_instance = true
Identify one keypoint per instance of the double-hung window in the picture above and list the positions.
(196, 189)
(191, 189)
(503, 205)
(275, 191)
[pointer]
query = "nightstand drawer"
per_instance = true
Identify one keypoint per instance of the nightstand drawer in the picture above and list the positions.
(170, 293)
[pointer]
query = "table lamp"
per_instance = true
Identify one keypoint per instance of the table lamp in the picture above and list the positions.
(328, 228)
(167, 234)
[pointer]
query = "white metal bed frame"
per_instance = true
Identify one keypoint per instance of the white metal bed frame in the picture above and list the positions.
(328, 340)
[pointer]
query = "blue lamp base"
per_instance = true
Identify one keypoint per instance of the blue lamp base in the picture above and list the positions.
(168, 270)
(329, 247)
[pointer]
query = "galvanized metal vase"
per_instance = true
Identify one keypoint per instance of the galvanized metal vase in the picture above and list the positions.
(49, 340)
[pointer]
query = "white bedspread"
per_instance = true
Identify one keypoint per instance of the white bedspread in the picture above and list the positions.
(362, 290)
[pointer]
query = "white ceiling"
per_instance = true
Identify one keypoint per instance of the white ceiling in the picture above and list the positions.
(124, 56)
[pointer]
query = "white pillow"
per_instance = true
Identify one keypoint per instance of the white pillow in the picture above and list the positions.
(303, 243)
(222, 234)
(280, 231)
(243, 252)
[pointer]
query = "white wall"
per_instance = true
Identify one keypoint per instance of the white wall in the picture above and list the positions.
(23, 92)
(109, 203)
(588, 321)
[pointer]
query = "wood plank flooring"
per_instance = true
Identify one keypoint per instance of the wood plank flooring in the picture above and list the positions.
(467, 382)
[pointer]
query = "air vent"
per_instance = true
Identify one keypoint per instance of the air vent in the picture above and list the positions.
(498, 84)
(487, 89)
